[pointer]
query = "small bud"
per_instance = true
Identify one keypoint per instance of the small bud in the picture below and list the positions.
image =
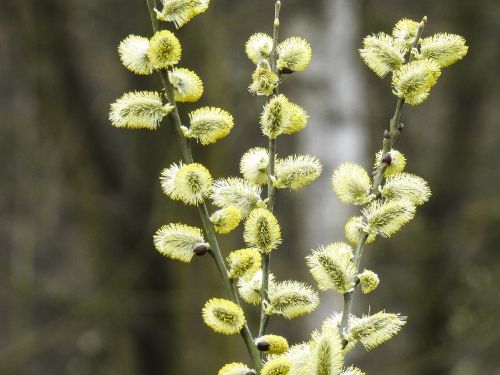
(401, 127)
(387, 135)
(286, 70)
(387, 158)
(263, 346)
(201, 250)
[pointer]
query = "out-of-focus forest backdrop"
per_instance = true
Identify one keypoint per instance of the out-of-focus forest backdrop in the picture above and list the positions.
(82, 291)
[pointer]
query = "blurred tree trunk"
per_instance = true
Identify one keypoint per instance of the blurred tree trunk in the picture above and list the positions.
(336, 131)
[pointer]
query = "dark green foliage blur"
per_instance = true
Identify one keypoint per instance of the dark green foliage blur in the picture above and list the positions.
(82, 289)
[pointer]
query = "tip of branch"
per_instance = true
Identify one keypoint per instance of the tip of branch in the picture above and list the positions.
(423, 22)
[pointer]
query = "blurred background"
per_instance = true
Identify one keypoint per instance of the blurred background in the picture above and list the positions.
(82, 289)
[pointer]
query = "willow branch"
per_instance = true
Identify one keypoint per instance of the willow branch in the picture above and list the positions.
(271, 190)
(202, 209)
(389, 139)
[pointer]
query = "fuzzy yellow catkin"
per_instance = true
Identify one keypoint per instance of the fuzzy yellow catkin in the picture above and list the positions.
(188, 87)
(443, 48)
(352, 371)
(368, 280)
(294, 54)
(332, 267)
(235, 368)
(406, 186)
(178, 241)
(253, 165)
(209, 124)
(238, 193)
(223, 316)
(181, 11)
(413, 81)
(258, 47)
(249, 287)
(326, 352)
(351, 184)
(295, 119)
(272, 344)
(226, 219)
(138, 110)
(277, 366)
(292, 299)
(167, 179)
(244, 262)
(382, 53)
(264, 80)
(355, 230)
(300, 357)
(297, 171)
(397, 162)
(164, 49)
(133, 51)
(405, 31)
(373, 330)
(280, 116)
(386, 218)
(333, 321)
(262, 230)
(192, 184)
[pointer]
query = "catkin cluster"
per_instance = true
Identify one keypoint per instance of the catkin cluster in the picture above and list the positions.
(388, 197)
(413, 78)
